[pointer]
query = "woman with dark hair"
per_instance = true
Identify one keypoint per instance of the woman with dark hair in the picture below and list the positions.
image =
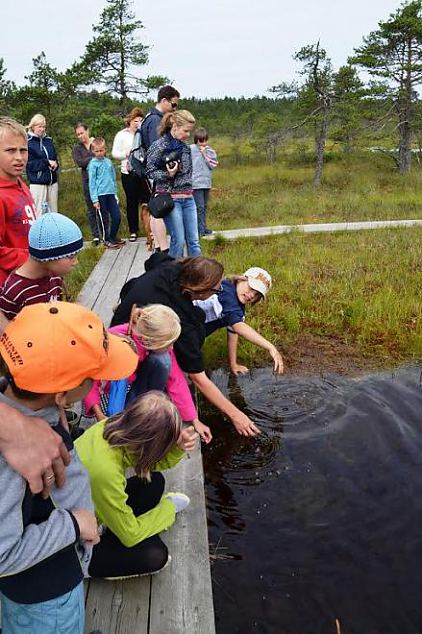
(177, 283)
(137, 190)
(169, 165)
(148, 438)
(82, 155)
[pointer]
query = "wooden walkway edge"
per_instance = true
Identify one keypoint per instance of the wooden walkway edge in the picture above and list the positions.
(179, 599)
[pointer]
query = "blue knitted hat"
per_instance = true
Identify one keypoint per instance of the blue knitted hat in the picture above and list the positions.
(53, 236)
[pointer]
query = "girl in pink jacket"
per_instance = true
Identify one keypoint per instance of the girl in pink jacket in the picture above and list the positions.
(153, 330)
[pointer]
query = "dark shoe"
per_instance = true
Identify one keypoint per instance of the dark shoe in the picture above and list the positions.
(208, 232)
(112, 245)
(95, 242)
(118, 241)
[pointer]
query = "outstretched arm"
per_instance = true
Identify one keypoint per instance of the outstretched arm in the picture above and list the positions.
(232, 341)
(244, 425)
(254, 337)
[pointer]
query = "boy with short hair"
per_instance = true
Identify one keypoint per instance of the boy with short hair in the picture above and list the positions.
(103, 192)
(54, 241)
(51, 352)
(17, 208)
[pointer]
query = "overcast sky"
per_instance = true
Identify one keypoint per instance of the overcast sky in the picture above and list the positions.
(208, 48)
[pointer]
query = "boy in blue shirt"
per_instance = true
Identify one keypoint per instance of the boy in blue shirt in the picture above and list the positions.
(226, 309)
(103, 193)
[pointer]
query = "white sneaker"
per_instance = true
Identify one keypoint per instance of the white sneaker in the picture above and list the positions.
(180, 500)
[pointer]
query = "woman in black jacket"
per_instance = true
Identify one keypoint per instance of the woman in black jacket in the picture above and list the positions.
(176, 283)
(42, 166)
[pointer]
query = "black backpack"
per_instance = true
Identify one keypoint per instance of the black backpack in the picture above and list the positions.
(138, 154)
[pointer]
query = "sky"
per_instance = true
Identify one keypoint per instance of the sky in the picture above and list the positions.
(211, 48)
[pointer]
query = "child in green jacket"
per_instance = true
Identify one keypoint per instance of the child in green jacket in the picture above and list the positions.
(147, 437)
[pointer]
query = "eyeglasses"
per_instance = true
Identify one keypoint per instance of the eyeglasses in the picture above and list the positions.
(216, 290)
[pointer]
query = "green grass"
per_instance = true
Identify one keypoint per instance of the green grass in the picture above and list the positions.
(360, 289)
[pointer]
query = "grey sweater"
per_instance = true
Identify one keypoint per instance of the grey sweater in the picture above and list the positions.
(41, 557)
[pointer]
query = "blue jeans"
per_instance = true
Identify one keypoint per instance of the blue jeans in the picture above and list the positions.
(91, 211)
(201, 200)
(109, 210)
(63, 615)
(152, 374)
(182, 225)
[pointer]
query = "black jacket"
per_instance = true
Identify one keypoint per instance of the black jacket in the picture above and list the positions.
(160, 285)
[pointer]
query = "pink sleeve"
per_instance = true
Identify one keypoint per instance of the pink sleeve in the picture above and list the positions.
(93, 397)
(178, 390)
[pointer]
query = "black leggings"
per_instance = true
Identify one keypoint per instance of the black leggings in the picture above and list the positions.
(137, 191)
(110, 558)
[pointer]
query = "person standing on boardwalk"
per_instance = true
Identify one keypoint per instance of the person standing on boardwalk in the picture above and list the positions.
(137, 190)
(82, 154)
(169, 165)
(42, 167)
(204, 160)
(17, 208)
(103, 192)
(167, 100)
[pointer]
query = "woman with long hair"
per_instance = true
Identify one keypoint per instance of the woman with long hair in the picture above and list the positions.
(42, 167)
(169, 165)
(137, 190)
(148, 438)
(177, 283)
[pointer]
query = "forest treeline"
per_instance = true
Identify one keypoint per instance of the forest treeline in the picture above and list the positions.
(324, 105)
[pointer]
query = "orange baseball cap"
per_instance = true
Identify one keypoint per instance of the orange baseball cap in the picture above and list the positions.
(54, 347)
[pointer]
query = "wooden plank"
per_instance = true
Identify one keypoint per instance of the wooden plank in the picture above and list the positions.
(118, 607)
(98, 278)
(109, 294)
(142, 254)
(181, 595)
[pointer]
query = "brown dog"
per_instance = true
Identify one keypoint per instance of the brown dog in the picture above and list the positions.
(146, 223)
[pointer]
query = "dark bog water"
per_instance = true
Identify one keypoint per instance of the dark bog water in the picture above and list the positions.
(321, 517)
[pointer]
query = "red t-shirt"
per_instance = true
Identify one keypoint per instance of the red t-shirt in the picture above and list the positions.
(19, 291)
(17, 213)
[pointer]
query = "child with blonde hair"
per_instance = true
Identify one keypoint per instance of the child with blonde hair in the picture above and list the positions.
(147, 437)
(153, 330)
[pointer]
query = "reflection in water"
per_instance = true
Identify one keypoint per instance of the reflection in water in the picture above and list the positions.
(321, 516)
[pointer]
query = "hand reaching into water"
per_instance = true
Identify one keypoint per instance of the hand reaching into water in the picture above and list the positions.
(236, 368)
(203, 431)
(244, 425)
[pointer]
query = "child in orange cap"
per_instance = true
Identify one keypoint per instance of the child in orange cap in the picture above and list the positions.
(51, 353)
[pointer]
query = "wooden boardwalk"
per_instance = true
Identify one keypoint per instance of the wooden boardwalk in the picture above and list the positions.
(179, 599)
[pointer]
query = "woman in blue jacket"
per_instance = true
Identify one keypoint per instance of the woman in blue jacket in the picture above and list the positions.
(42, 167)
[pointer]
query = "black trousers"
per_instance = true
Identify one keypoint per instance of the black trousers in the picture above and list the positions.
(111, 558)
(137, 191)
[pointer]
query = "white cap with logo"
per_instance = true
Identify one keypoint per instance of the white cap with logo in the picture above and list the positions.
(258, 279)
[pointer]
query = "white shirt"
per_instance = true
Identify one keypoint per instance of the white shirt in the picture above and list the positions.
(122, 146)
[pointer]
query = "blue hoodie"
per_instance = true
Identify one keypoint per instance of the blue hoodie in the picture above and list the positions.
(40, 151)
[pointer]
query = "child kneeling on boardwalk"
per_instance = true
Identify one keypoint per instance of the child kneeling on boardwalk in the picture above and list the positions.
(51, 352)
(226, 308)
(147, 437)
(153, 330)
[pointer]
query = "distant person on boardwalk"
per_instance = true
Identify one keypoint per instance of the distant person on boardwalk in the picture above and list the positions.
(204, 160)
(137, 190)
(148, 438)
(54, 242)
(169, 165)
(103, 192)
(153, 329)
(17, 208)
(227, 310)
(176, 283)
(82, 154)
(42, 167)
(167, 100)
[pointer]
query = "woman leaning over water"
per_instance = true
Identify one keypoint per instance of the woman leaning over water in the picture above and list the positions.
(169, 165)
